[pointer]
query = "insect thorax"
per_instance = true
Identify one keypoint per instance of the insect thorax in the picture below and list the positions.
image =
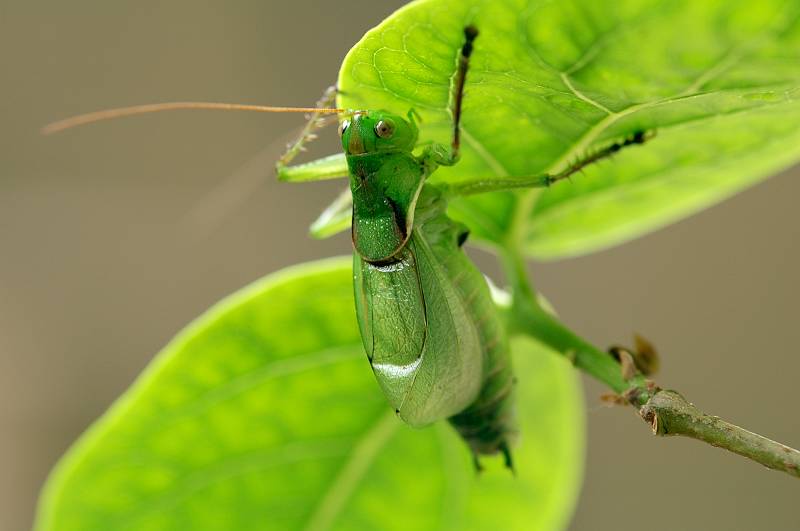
(385, 187)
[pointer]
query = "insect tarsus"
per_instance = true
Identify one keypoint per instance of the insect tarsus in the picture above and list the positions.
(639, 137)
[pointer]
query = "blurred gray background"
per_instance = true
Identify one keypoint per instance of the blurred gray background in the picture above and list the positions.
(113, 237)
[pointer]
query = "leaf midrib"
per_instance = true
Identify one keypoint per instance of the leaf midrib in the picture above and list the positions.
(346, 481)
(526, 204)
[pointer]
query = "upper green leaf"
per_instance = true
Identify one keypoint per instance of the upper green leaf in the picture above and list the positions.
(264, 414)
(718, 80)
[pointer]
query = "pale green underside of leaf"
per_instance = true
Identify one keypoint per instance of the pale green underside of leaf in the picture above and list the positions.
(264, 414)
(718, 80)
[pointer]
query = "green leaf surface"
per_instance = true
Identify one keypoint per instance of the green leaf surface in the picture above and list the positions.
(264, 414)
(550, 81)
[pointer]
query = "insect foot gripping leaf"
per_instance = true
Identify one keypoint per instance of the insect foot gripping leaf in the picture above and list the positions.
(260, 416)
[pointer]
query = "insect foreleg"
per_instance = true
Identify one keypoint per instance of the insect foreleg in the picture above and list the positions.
(438, 154)
(331, 167)
(545, 180)
(314, 123)
(470, 32)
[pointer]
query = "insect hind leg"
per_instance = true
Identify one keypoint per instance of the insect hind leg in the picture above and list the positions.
(546, 179)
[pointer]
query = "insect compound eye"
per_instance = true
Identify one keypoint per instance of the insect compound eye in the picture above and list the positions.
(343, 127)
(384, 129)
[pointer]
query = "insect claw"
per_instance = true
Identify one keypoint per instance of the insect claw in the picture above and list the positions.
(476, 462)
(509, 461)
(462, 238)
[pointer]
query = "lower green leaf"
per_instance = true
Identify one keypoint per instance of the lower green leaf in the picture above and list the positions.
(263, 414)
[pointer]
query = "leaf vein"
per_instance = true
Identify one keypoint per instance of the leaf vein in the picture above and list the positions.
(343, 485)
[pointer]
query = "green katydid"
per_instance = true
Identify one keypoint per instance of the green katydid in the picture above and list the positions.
(428, 324)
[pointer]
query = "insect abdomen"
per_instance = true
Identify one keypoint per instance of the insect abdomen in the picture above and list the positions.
(487, 424)
(424, 348)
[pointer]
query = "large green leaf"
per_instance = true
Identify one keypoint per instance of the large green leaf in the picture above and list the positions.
(264, 414)
(719, 80)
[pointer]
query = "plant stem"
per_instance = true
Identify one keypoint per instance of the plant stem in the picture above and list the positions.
(670, 414)
(528, 317)
(667, 412)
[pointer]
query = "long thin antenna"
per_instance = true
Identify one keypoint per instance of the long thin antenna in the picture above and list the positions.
(108, 114)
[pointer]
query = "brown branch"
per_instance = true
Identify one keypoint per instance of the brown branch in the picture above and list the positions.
(667, 412)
